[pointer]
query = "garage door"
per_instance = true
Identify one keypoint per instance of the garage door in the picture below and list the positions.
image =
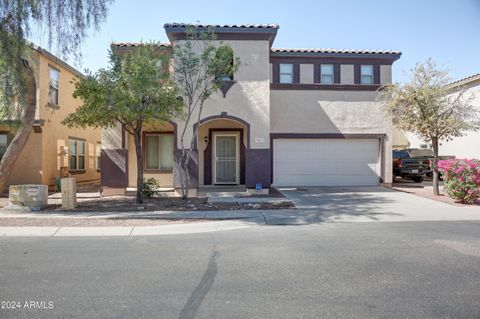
(325, 162)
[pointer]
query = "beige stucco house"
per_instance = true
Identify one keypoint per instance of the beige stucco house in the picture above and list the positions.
(291, 117)
(466, 146)
(52, 149)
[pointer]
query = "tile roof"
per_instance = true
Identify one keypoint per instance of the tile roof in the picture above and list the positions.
(239, 26)
(328, 50)
(137, 44)
(466, 80)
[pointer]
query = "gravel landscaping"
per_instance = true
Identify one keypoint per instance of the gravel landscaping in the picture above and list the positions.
(128, 203)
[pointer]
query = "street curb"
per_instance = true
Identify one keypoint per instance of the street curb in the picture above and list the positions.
(128, 231)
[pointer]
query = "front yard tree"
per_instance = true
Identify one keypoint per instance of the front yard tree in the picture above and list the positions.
(135, 89)
(65, 23)
(431, 108)
(202, 66)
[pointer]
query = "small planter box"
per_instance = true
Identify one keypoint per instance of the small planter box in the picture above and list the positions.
(30, 197)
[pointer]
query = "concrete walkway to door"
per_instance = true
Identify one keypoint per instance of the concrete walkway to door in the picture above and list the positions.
(366, 204)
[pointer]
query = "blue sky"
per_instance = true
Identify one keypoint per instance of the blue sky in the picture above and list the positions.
(446, 30)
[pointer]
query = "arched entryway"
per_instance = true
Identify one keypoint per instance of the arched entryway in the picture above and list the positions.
(222, 144)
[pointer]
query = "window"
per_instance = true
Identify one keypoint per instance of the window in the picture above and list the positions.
(326, 74)
(98, 153)
(286, 73)
(77, 155)
(159, 151)
(224, 72)
(366, 74)
(3, 144)
(53, 92)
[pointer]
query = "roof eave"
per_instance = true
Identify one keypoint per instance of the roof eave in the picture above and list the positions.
(173, 32)
(391, 56)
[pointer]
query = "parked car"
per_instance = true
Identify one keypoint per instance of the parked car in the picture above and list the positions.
(426, 156)
(408, 167)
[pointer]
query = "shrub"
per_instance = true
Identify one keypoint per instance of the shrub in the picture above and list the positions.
(462, 179)
(150, 187)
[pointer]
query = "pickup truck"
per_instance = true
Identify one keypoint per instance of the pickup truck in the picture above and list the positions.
(426, 156)
(408, 167)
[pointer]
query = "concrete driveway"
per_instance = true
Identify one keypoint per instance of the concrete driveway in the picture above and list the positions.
(366, 204)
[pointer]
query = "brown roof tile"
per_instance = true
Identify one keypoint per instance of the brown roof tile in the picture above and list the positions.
(331, 50)
(137, 44)
(242, 26)
(465, 80)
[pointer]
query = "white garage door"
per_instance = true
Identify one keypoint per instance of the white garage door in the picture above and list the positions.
(325, 162)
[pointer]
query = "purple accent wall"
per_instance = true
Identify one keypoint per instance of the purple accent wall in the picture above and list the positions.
(336, 73)
(276, 73)
(114, 164)
(316, 73)
(356, 73)
(296, 73)
(376, 73)
(258, 167)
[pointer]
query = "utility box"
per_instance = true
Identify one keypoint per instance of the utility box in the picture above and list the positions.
(30, 197)
(69, 193)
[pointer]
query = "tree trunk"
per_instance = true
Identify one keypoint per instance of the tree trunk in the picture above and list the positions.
(436, 190)
(138, 150)
(184, 180)
(23, 133)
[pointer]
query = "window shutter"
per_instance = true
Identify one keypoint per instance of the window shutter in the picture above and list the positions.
(296, 73)
(316, 73)
(356, 73)
(376, 74)
(336, 73)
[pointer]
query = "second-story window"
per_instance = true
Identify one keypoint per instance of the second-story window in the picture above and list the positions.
(286, 73)
(224, 72)
(53, 86)
(366, 74)
(326, 74)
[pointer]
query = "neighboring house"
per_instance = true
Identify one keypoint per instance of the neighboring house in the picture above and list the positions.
(467, 146)
(53, 149)
(291, 117)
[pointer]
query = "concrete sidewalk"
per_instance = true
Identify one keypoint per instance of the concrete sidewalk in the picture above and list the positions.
(176, 229)
(313, 206)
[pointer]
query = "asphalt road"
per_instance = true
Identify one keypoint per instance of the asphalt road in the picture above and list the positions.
(360, 270)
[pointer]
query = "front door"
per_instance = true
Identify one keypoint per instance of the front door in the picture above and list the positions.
(226, 158)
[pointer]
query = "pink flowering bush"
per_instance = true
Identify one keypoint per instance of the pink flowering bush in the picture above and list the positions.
(461, 179)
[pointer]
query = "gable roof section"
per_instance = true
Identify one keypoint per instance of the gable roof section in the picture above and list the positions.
(52, 57)
(177, 31)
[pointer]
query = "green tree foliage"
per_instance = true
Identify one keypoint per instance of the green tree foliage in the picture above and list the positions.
(431, 108)
(202, 66)
(65, 24)
(136, 88)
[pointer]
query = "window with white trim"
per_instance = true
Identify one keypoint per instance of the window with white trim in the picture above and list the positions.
(286, 73)
(77, 155)
(366, 74)
(326, 74)
(53, 86)
(159, 151)
(3, 144)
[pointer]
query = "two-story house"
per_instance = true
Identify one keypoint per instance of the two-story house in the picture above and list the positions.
(291, 117)
(53, 150)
